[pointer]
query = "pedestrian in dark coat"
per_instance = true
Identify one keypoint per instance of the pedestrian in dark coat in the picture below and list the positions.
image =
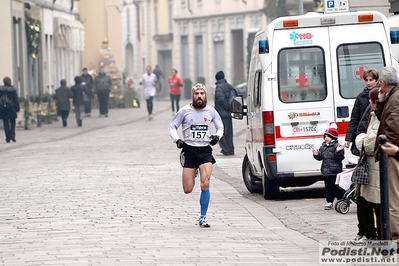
(387, 111)
(331, 153)
(222, 94)
(358, 125)
(102, 86)
(78, 95)
(87, 82)
(358, 122)
(9, 113)
(62, 95)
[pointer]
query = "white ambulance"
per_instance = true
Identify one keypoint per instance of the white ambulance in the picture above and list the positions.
(305, 73)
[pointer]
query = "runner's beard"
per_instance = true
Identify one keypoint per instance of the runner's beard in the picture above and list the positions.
(199, 105)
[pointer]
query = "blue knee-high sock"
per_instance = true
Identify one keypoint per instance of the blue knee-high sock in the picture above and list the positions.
(204, 201)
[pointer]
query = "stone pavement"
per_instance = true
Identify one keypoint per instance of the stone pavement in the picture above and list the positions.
(109, 193)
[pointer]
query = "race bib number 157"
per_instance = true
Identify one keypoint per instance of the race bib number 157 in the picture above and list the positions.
(198, 132)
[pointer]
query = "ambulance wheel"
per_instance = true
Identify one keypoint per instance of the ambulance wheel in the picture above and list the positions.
(344, 207)
(270, 188)
(252, 183)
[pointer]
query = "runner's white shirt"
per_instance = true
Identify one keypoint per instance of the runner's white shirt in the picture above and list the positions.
(149, 88)
(196, 125)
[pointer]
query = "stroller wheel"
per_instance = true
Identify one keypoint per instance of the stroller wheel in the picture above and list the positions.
(344, 207)
(337, 205)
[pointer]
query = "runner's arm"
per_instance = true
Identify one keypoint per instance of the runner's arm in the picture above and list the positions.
(174, 125)
(217, 120)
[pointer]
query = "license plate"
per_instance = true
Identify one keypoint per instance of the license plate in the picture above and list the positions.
(304, 129)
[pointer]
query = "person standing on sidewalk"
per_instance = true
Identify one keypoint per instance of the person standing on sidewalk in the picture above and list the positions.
(387, 111)
(175, 83)
(149, 81)
(222, 94)
(87, 82)
(79, 94)
(370, 193)
(9, 107)
(357, 125)
(62, 95)
(195, 120)
(360, 112)
(102, 86)
(331, 153)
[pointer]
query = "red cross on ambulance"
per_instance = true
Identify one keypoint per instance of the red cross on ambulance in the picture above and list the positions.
(359, 70)
(301, 80)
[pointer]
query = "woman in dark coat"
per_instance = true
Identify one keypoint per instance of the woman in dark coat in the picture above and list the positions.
(79, 94)
(358, 122)
(62, 95)
(8, 108)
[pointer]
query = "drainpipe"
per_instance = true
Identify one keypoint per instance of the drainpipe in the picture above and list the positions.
(189, 7)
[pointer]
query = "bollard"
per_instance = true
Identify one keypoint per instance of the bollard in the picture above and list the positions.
(384, 213)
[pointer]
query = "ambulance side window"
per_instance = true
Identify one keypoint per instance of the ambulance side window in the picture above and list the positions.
(301, 75)
(352, 60)
(257, 88)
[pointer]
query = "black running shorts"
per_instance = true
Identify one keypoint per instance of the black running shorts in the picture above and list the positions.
(193, 157)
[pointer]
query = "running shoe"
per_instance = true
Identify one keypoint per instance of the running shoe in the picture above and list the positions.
(328, 206)
(358, 237)
(203, 222)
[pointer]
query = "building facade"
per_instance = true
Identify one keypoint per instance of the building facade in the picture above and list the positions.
(52, 40)
(44, 45)
(207, 40)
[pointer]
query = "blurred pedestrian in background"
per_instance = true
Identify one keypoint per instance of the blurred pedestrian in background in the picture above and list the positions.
(9, 107)
(149, 82)
(102, 86)
(158, 73)
(62, 95)
(175, 83)
(222, 105)
(87, 82)
(79, 96)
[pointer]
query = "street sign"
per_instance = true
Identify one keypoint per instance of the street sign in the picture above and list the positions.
(333, 6)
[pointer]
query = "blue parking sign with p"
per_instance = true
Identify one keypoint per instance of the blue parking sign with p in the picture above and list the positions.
(330, 4)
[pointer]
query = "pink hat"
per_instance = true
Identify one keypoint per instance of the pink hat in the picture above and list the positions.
(331, 132)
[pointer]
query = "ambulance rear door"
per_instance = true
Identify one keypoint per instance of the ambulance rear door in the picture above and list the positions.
(318, 78)
(354, 49)
(302, 96)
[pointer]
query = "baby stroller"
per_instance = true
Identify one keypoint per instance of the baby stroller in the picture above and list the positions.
(344, 181)
(342, 205)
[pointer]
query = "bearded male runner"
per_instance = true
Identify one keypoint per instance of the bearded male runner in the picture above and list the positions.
(195, 120)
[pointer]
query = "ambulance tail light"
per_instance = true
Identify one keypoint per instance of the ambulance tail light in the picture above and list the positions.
(263, 46)
(394, 36)
(268, 128)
